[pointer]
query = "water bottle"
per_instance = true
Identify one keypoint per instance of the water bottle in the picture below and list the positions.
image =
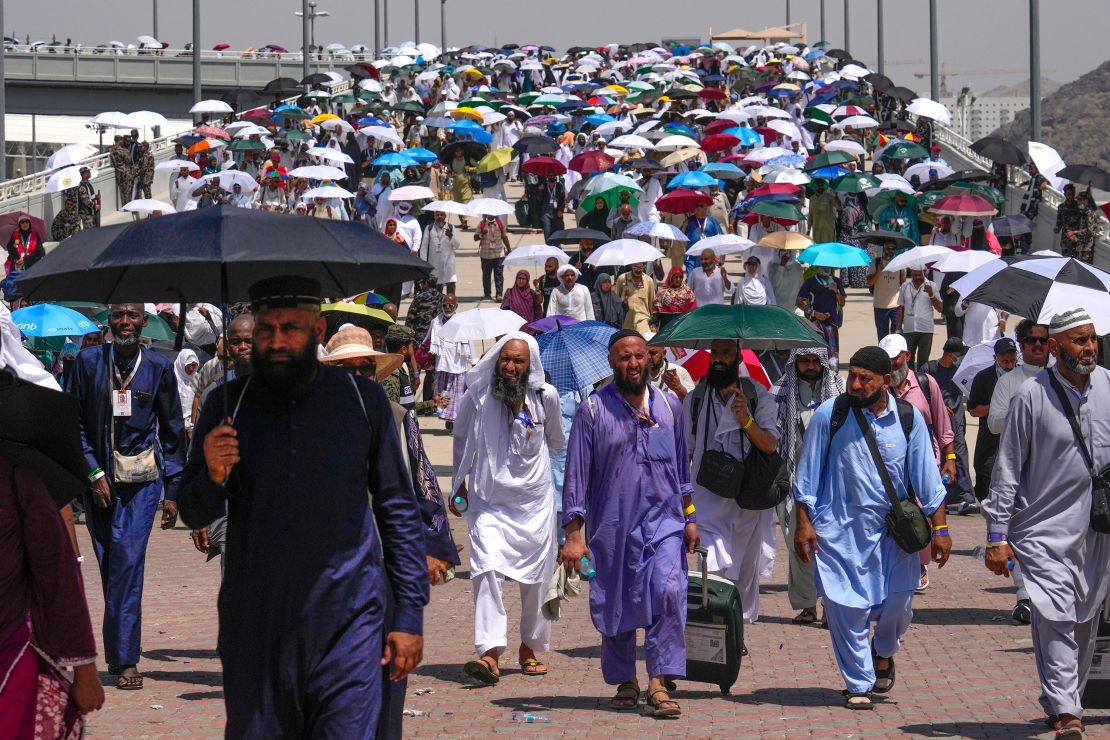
(588, 570)
(980, 554)
(528, 717)
(946, 479)
(461, 503)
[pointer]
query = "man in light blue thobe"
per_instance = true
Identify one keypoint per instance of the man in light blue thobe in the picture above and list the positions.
(1039, 508)
(862, 574)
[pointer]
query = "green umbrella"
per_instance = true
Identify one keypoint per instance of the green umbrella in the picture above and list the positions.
(88, 309)
(829, 159)
(754, 327)
(991, 194)
(345, 99)
(884, 198)
(609, 186)
(247, 145)
(927, 199)
(292, 133)
(409, 107)
(905, 150)
(816, 114)
(855, 182)
(777, 209)
(156, 329)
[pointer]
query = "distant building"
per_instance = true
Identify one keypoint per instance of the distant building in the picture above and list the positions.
(976, 117)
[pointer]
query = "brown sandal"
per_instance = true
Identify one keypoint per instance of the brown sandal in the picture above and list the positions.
(805, 616)
(130, 683)
(663, 708)
(532, 667)
(482, 670)
(627, 697)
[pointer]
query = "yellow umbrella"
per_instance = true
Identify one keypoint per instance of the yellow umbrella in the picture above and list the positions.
(786, 240)
(495, 160)
(474, 73)
(357, 309)
(324, 117)
(787, 86)
(468, 113)
(615, 89)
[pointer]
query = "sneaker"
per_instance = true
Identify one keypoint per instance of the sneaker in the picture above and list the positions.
(967, 508)
(1022, 612)
(924, 582)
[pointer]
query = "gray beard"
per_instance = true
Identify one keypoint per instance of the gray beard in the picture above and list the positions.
(898, 377)
(1073, 364)
(509, 392)
(130, 341)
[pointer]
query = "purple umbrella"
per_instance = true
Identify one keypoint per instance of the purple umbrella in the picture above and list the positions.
(548, 323)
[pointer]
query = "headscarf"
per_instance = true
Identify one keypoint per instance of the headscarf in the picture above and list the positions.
(186, 383)
(610, 309)
(17, 358)
(786, 393)
(396, 235)
(521, 300)
(669, 299)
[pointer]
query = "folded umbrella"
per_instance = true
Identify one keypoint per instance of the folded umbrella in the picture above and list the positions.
(835, 255)
(753, 327)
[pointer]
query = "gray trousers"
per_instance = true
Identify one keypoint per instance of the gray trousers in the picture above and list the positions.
(1063, 651)
(800, 584)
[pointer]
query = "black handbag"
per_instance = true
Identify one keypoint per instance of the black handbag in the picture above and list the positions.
(1100, 480)
(905, 521)
(719, 472)
(766, 481)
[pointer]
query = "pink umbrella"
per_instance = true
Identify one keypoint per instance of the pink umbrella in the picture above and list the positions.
(212, 132)
(964, 204)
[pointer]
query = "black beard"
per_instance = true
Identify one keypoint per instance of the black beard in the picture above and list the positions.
(720, 376)
(290, 378)
(866, 401)
(1071, 362)
(811, 376)
(628, 387)
(507, 391)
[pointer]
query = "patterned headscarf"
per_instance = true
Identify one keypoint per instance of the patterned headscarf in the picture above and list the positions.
(786, 393)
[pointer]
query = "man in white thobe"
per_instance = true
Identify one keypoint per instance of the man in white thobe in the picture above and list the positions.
(787, 277)
(509, 423)
(1038, 512)
(981, 322)
(438, 248)
(711, 282)
(719, 417)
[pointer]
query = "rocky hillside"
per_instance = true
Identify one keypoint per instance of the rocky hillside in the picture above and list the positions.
(1074, 119)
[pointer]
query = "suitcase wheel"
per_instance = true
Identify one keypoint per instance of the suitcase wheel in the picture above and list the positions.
(726, 691)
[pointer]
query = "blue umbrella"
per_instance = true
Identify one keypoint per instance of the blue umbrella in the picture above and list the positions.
(372, 122)
(422, 155)
(394, 159)
(787, 160)
(835, 254)
(547, 323)
(747, 136)
(681, 129)
(722, 169)
(48, 320)
(809, 56)
(599, 118)
(828, 173)
(694, 179)
(576, 356)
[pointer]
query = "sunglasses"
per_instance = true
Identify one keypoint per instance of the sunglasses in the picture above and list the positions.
(366, 371)
(1035, 340)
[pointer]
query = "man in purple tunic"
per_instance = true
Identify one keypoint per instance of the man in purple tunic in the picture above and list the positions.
(628, 479)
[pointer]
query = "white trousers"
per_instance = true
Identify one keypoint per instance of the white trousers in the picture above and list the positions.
(490, 619)
(1063, 651)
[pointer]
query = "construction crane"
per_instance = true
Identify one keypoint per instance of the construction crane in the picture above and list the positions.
(946, 71)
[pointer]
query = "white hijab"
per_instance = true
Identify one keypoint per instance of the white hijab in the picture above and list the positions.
(186, 383)
(481, 376)
(18, 359)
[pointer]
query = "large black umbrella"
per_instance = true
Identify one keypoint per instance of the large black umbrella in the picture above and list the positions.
(881, 236)
(643, 163)
(566, 236)
(1009, 226)
(214, 255)
(535, 145)
(881, 83)
(999, 150)
(317, 78)
(241, 98)
(902, 93)
(1086, 174)
(472, 150)
(282, 85)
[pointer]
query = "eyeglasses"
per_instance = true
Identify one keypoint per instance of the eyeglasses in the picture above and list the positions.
(1035, 340)
(366, 371)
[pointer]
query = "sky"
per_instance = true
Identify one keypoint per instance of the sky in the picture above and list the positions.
(984, 42)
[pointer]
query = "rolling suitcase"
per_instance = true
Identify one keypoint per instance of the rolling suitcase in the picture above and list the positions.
(714, 629)
(1097, 693)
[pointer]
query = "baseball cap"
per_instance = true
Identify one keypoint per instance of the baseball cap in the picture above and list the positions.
(894, 345)
(1005, 346)
(954, 344)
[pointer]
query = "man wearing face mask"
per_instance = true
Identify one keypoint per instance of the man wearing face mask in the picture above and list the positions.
(841, 505)
(979, 406)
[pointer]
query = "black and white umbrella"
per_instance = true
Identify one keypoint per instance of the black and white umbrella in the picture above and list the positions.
(1040, 287)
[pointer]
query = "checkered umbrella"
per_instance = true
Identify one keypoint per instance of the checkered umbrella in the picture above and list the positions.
(576, 356)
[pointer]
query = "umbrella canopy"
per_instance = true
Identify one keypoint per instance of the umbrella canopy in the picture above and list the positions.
(828, 159)
(535, 254)
(917, 258)
(319, 172)
(1086, 174)
(692, 179)
(964, 205)
(999, 150)
(359, 314)
(682, 201)
(905, 150)
(488, 207)
(930, 109)
(148, 205)
(882, 236)
(447, 206)
(495, 160)
(211, 106)
(623, 252)
(568, 236)
(543, 166)
(70, 154)
(1040, 287)
(835, 255)
(535, 145)
(576, 356)
(1012, 225)
(411, 192)
(780, 211)
(656, 230)
(791, 240)
(214, 255)
(722, 245)
(547, 323)
(753, 327)
(9, 222)
(471, 150)
(48, 320)
(592, 161)
(855, 182)
(965, 261)
(480, 323)
(64, 179)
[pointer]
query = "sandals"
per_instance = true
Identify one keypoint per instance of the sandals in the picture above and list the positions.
(532, 667)
(884, 679)
(1073, 730)
(627, 697)
(481, 670)
(806, 616)
(130, 683)
(858, 700)
(662, 708)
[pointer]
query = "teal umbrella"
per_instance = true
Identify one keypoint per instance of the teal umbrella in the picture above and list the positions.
(754, 327)
(829, 159)
(905, 150)
(834, 254)
(777, 209)
(49, 320)
(855, 182)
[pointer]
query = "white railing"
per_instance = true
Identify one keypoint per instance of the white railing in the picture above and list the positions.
(226, 54)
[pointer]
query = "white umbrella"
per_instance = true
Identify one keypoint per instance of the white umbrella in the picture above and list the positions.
(610, 127)
(447, 206)
(149, 41)
(917, 257)
(535, 254)
(1048, 162)
(977, 358)
(318, 172)
(786, 174)
(786, 128)
(175, 165)
(967, 261)
(383, 134)
(229, 178)
(148, 119)
(623, 252)
(328, 191)
(116, 119)
(148, 205)
(64, 179)
(675, 142)
(70, 154)
(480, 323)
(891, 181)
(930, 109)
(411, 192)
(211, 106)
(335, 123)
(333, 155)
(857, 122)
(921, 169)
(488, 119)
(846, 145)
(631, 141)
(722, 244)
(767, 153)
(243, 129)
(488, 207)
(656, 230)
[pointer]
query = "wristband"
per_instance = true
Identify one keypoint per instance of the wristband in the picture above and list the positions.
(1000, 543)
(692, 519)
(950, 456)
(996, 537)
(942, 532)
(747, 424)
(940, 526)
(97, 476)
(94, 471)
(688, 510)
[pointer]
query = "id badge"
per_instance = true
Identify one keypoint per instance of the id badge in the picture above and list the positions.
(121, 403)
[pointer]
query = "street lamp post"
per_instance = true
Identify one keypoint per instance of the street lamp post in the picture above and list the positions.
(310, 13)
(823, 37)
(788, 12)
(377, 27)
(416, 18)
(1034, 70)
(306, 39)
(847, 26)
(442, 24)
(879, 20)
(385, 22)
(934, 60)
(155, 34)
(196, 51)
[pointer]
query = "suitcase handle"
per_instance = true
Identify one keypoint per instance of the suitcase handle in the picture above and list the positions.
(703, 562)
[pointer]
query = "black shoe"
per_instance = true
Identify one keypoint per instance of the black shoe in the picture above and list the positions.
(967, 508)
(1022, 612)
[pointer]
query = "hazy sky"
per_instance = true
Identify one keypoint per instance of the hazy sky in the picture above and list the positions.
(974, 35)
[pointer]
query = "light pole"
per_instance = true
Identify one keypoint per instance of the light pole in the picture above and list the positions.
(823, 38)
(3, 104)
(788, 12)
(879, 20)
(1035, 70)
(847, 26)
(934, 60)
(377, 27)
(196, 51)
(385, 22)
(311, 13)
(306, 39)
(442, 24)
(155, 34)
(416, 11)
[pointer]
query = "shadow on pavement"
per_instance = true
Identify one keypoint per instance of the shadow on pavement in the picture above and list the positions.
(584, 651)
(978, 730)
(200, 678)
(955, 616)
(202, 695)
(172, 654)
(552, 702)
(807, 696)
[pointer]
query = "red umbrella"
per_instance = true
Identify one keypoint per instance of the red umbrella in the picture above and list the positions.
(775, 188)
(696, 362)
(770, 136)
(753, 218)
(589, 162)
(682, 200)
(258, 114)
(544, 167)
(212, 131)
(719, 142)
(718, 125)
(712, 93)
(964, 204)
(9, 222)
(221, 47)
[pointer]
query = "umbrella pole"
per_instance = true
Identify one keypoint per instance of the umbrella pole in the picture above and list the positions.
(224, 306)
(179, 340)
